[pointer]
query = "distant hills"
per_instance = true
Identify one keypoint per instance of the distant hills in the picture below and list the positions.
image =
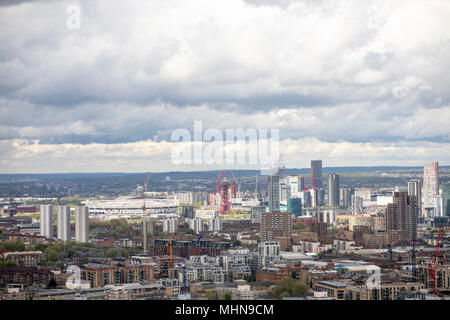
(211, 174)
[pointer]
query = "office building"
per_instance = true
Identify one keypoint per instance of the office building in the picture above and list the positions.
(415, 189)
(275, 224)
(317, 197)
(295, 206)
(63, 223)
(333, 190)
(345, 197)
(316, 174)
(446, 195)
(274, 192)
(439, 207)
(46, 220)
(305, 195)
(430, 187)
(402, 214)
(82, 224)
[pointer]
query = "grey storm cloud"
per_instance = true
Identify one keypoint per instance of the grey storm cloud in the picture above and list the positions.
(356, 71)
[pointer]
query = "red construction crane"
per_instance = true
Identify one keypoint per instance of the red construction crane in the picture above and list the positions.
(433, 267)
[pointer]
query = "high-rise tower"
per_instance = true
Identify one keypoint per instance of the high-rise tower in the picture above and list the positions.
(316, 174)
(274, 192)
(333, 190)
(82, 224)
(430, 185)
(46, 220)
(63, 223)
(402, 213)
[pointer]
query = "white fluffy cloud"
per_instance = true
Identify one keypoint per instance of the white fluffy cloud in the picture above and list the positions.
(351, 76)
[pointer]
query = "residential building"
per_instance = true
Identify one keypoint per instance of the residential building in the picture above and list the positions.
(82, 224)
(430, 187)
(357, 205)
(46, 220)
(402, 214)
(275, 224)
(63, 223)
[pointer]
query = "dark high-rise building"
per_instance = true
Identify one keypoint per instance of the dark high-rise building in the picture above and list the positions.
(275, 224)
(333, 190)
(446, 196)
(187, 212)
(301, 183)
(321, 229)
(274, 192)
(316, 174)
(294, 205)
(345, 197)
(402, 214)
(306, 198)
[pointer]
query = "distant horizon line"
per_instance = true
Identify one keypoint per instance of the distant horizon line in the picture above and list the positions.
(213, 170)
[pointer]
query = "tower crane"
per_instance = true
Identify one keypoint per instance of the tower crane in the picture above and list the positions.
(146, 182)
(144, 227)
(237, 184)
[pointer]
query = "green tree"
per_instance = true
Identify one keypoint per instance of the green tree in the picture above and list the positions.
(299, 226)
(40, 247)
(226, 295)
(13, 246)
(211, 295)
(52, 254)
(189, 231)
(8, 264)
(291, 287)
(237, 243)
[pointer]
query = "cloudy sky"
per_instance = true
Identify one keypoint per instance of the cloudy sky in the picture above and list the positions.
(349, 82)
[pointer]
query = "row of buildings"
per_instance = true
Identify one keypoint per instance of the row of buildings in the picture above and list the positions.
(63, 223)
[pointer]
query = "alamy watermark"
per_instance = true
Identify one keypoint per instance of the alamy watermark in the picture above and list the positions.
(258, 147)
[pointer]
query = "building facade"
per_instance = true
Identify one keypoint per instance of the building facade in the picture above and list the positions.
(402, 214)
(333, 190)
(274, 192)
(46, 220)
(81, 224)
(275, 224)
(316, 173)
(63, 223)
(430, 186)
